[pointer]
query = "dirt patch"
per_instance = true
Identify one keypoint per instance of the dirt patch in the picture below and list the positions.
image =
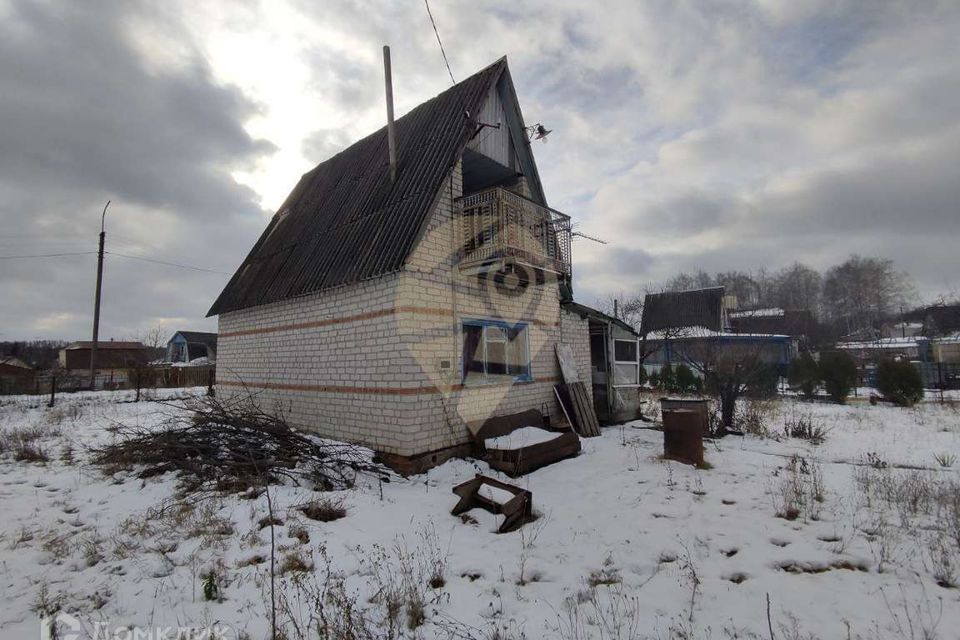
(792, 566)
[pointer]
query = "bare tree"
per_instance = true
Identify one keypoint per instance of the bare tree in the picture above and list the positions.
(729, 367)
(798, 287)
(742, 285)
(862, 292)
(154, 337)
(623, 306)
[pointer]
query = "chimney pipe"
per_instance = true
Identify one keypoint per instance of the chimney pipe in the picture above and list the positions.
(391, 133)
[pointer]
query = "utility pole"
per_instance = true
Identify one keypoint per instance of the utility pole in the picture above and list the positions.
(96, 304)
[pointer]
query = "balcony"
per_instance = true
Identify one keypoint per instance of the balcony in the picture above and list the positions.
(499, 228)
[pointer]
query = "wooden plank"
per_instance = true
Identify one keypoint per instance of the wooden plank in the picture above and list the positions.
(565, 398)
(591, 414)
(584, 409)
(568, 364)
(576, 396)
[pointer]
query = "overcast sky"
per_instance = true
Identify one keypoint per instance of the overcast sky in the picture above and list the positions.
(714, 135)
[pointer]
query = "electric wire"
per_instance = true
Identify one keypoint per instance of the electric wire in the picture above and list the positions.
(167, 263)
(440, 42)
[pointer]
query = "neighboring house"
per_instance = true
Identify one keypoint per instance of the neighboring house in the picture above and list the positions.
(391, 312)
(673, 310)
(16, 376)
(873, 351)
(690, 346)
(110, 355)
(187, 346)
(946, 349)
(937, 320)
(684, 327)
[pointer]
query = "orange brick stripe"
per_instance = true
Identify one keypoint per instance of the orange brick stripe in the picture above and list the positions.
(383, 391)
(380, 313)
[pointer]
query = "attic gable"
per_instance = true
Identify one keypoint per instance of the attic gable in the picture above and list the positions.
(346, 221)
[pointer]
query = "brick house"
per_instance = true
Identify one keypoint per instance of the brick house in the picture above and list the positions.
(391, 312)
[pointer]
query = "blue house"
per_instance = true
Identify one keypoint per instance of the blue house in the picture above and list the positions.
(186, 346)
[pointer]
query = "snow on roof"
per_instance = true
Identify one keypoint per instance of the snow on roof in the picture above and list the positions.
(771, 312)
(883, 343)
(687, 333)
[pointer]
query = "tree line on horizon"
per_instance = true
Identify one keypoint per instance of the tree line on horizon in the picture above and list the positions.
(858, 294)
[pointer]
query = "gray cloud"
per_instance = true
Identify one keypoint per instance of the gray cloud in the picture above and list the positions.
(687, 135)
(90, 114)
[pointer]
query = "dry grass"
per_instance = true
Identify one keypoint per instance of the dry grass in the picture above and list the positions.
(324, 509)
(23, 442)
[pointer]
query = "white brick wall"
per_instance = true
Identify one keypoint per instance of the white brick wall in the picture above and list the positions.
(323, 370)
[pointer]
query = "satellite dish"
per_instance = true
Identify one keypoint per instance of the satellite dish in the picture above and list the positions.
(538, 132)
(541, 132)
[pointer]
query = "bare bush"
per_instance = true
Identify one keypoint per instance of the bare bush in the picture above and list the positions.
(234, 447)
(405, 581)
(754, 415)
(801, 490)
(320, 606)
(23, 442)
(804, 427)
(613, 612)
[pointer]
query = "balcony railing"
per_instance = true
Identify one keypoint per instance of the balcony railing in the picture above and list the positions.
(498, 227)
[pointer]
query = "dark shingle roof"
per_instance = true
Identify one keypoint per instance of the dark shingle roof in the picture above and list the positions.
(202, 337)
(345, 221)
(680, 309)
(106, 344)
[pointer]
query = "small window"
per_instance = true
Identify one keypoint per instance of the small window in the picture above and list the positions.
(626, 367)
(495, 350)
(625, 350)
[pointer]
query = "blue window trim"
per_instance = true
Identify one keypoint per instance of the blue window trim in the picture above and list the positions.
(503, 324)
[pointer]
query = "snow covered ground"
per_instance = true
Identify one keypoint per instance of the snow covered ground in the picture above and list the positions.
(626, 545)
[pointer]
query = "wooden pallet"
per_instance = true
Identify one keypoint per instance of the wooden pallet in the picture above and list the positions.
(579, 410)
(516, 511)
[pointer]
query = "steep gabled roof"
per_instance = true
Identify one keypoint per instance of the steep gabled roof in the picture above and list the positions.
(201, 337)
(680, 309)
(345, 221)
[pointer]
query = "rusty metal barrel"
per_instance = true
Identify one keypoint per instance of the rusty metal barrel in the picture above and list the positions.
(683, 436)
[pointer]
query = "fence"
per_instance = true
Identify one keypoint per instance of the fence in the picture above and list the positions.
(150, 377)
(935, 375)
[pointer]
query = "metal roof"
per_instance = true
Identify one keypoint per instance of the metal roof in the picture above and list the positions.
(202, 337)
(584, 311)
(679, 309)
(345, 221)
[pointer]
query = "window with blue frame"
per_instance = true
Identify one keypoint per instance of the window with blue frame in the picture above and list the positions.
(494, 350)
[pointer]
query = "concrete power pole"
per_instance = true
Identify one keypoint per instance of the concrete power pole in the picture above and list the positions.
(96, 303)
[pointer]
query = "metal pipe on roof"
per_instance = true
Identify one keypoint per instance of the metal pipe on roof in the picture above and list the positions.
(391, 133)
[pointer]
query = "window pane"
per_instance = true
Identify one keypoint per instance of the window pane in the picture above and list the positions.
(496, 357)
(519, 353)
(472, 350)
(624, 374)
(625, 350)
(496, 333)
